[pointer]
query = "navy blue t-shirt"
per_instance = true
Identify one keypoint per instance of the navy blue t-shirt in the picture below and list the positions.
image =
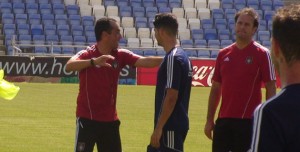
(175, 72)
(277, 123)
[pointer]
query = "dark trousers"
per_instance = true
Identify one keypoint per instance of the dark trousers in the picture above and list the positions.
(232, 135)
(105, 134)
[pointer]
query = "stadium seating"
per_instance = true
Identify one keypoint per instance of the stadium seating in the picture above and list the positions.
(207, 20)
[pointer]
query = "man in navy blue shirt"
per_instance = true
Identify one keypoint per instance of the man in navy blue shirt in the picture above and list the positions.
(277, 121)
(173, 88)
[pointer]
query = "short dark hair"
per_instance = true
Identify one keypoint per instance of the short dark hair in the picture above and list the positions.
(103, 25)
(168, 21)
(286, 31)
(249, 11)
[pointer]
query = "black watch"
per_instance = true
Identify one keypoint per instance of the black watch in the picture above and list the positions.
(92, 62)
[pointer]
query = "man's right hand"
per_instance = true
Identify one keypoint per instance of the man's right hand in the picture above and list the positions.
(208, 130)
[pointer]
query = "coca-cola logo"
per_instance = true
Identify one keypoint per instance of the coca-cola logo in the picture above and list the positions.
(202, 75)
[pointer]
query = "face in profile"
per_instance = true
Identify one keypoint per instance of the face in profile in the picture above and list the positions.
(115, 35)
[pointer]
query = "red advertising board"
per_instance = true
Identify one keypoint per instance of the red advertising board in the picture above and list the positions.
(203, 71)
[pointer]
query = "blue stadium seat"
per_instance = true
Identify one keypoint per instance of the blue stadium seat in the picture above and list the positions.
(89, 31)
(197, 34)
(213, 44)
(224, 34)
(40, 49)
(23, 29)
(19, 8)
(37, 29)
(125, 11)
(268, 15)
(58, 9)
(8, 39)
(207, 23)
(8, 18)
(30, 1)
(75, 19)
(266, 5)
(263, 36)
(68, 50)
(57, 1)
(225, 43)
(77, 30)
(150, 22)
(161, 3)
(55, 50)
(50, 29)
(191, 53)
(141, 22)
(123, 42)
(239, 4)
(150, 52)
(63, 30)
(203, 54)
(136, 3)
(38, 39)
(160, 53)
(88, 20)
(79, 40)
(210, 34)
(25, 39)
(266, 43)
(109, 3)
(66, 40)
(45, 8)
(227, 4)
(9, 29)
(231, 24)
(6, 7)
(138, 11)
(21, 18)
(217, 13)
(122, 3)
(61, 19)
(43, 1)
(34, 18)
(52, 39)
(148, 3)
(200, 43)
(214, 53)
(220, 24)
(138, 52)
(187, 43)
(164, 10)
(175, 3)
(230, 13)
(32, 8)
(17, 1)
(151, 11)
(253, 3)
(72, 9)
(277, 4)
(262, 25)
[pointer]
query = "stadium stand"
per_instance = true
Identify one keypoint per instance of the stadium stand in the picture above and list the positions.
(207, 20)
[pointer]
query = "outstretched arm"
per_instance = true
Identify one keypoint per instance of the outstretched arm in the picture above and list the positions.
(76, 65)
(149, 62)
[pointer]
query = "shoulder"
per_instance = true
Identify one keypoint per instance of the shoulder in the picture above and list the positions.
(261, 48)
(85, 53)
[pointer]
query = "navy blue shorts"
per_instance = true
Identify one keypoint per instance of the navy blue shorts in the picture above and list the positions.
(105, 134)
(171, 141)
(232, 134)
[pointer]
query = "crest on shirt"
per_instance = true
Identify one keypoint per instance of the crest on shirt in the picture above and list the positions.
(115, 64)
(249, 60)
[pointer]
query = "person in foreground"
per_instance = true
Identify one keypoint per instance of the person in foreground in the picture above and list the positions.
(99, 68)
(174, 78)
(277, 121)
(240, 70)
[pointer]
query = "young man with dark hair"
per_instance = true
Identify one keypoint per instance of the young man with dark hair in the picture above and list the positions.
(99, 68)
(239, 72)
(277, 121)
(174, 77)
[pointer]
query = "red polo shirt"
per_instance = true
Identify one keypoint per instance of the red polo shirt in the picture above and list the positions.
(241, 73)
(98, 85)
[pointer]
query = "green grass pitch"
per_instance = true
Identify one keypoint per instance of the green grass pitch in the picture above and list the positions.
(42, 118)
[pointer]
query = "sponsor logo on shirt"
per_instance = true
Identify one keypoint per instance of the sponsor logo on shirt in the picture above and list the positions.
(115, 64)
(226, 59)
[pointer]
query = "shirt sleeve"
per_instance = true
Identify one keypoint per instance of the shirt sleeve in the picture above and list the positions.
(128, 57)
(266, 132)
(268, 72)
(174, 72)
(217, 75)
